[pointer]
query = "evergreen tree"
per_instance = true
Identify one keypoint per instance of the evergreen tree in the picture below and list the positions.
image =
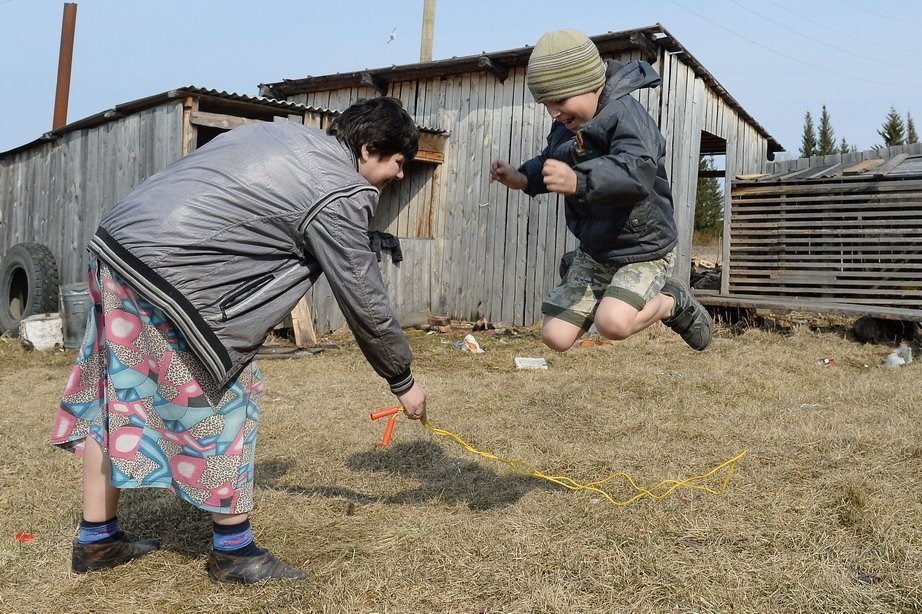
(808, 140)
(893, 131)
(911, 135)
(845, 148)
(709, 204)
(827, 144)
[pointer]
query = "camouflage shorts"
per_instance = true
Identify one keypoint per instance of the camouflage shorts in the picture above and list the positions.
(587, 282)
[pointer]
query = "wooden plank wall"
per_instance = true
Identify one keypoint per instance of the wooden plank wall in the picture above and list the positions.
(56, 193)
(408, 284)
(850, 241)
(496, 252)
(835, 239)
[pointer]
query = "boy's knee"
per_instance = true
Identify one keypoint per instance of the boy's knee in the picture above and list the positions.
(613, 328)
(556, 343)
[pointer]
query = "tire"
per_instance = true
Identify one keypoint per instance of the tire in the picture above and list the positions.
(28, 285)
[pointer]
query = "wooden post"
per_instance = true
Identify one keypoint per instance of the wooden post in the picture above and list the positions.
(425, 47)
(189, 132)
(303, 324)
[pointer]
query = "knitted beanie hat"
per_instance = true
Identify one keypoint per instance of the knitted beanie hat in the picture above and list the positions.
(564, 63)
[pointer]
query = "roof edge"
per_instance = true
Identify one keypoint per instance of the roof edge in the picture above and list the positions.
(647, 39)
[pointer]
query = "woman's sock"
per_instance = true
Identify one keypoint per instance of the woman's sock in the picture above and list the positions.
(99, 532)
(235, 539)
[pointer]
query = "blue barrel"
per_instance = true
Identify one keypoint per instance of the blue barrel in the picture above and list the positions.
(75, 308)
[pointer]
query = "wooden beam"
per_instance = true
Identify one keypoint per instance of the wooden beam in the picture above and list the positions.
(500, 71)
(303, 324)
(189, 132)
(862, 167)
(427, 155)
(890, 164)
(217, 120)
(647, 47)
(370, 80)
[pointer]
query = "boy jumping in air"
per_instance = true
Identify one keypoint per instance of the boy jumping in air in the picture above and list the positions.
(606, 155)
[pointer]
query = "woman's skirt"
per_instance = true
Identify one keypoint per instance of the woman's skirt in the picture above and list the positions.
(140, 392)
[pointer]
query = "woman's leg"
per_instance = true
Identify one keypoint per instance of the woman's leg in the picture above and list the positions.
(226, 519)
(100, 498)
(100, 544)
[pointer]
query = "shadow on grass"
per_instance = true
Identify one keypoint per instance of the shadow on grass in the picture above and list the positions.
(442, 478)
(187, 531)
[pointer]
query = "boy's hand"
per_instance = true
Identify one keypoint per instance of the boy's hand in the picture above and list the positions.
(414, 403)
(504, 173)
(559, 177)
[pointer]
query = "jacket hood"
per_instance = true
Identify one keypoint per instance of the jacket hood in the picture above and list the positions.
(622, 78)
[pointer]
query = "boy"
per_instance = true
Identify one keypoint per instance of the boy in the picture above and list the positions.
(606, 155)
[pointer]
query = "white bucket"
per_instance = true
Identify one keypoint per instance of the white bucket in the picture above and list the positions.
(43, 331)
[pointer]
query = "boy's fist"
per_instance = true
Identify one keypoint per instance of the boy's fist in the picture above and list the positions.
(559, 177)
(508, 176)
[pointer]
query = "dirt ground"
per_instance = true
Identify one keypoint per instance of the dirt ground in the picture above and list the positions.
(823, 514)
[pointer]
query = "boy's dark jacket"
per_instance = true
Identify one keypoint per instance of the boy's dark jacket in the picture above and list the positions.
(622, 211)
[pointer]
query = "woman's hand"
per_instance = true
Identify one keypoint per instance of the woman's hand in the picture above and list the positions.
(414, 403)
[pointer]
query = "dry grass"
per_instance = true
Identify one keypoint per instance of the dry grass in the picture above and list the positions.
(823, 515)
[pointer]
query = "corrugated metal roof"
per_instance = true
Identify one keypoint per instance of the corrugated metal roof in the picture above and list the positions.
(899, 161)
(647, 40)
(134, 106)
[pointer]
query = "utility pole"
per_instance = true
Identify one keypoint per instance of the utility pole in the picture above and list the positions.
(425, 48)
(65, 59)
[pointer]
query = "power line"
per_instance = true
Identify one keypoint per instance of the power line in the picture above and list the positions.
(816, 40)
(900, 20)
(790, 57)
(839, 32)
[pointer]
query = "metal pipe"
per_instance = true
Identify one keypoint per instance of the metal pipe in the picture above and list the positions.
(65, 59)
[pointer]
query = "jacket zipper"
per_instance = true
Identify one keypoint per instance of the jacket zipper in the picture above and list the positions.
(238, 295)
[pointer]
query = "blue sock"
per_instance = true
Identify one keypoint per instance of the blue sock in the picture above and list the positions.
(99, 532)
(236, 539)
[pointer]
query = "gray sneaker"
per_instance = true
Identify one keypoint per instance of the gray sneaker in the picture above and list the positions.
(689, 317)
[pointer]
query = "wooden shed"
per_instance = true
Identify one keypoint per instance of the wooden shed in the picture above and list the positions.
(478, 249)
(836, 234)
(55, 189)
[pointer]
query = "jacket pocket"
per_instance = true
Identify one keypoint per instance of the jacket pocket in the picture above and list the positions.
(239, 298)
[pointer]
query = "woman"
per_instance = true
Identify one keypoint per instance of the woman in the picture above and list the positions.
(188, 274)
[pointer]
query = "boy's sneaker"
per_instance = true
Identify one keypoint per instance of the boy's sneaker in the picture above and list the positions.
(689, 318)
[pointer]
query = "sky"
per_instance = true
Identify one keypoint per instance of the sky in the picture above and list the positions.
(778, 58)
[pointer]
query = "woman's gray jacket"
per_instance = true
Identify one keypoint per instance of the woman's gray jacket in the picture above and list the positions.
(622, 210)
(227, 239)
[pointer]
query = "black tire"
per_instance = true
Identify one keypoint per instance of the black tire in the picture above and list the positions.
(28, 285)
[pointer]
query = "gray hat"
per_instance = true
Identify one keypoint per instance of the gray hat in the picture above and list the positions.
(564, 63)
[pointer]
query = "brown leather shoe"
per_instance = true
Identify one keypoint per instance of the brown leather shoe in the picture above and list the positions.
(223, 567)
(93, 557)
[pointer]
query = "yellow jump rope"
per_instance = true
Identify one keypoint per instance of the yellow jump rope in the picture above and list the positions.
(659, 491)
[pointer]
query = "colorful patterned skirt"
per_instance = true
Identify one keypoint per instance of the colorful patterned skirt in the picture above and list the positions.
(139, 390)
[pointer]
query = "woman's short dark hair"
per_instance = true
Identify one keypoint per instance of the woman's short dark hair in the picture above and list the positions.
(381, 124)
